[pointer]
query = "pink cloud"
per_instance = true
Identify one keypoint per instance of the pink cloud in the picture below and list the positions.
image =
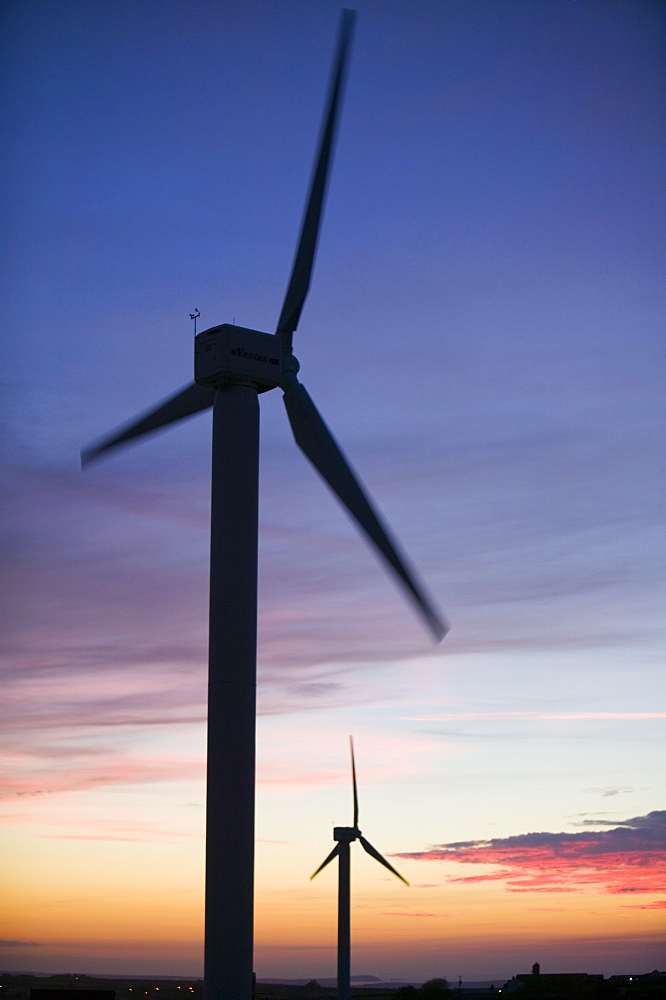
(659, 904)
(75, 774)
(631, 857)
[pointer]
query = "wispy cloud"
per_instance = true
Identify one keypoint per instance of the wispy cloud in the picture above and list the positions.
(659, 904)
(75, 773)
(610, 790)
(631, 857)
(127, 831)
(546, 716)
(19, 944)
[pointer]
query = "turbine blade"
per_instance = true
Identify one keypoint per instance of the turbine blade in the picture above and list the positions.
(351, 744)
(316, 441)
(334, 853)
(183, 404)
(369, 849)
(301, 271)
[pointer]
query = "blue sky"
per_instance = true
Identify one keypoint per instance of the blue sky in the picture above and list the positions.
(484, 335)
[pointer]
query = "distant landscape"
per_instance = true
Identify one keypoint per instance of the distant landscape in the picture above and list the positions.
(561, 986)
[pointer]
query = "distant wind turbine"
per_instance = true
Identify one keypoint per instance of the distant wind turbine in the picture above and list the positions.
(232, 365)
(344, 835)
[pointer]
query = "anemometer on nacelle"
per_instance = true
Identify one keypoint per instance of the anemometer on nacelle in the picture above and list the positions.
(230, 354)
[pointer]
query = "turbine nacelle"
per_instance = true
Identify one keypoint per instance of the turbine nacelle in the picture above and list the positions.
(228, 354)
(346, 834)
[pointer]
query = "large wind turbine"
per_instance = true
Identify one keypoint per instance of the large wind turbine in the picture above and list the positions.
(231, 366)
(344, 835)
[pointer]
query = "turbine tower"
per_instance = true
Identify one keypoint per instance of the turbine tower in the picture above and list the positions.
(232, 365)
(345, 835)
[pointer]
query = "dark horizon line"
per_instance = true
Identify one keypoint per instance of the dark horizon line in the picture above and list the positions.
(362, 980)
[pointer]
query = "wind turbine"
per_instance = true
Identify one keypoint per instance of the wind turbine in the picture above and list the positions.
(345, 835)
(232, 365)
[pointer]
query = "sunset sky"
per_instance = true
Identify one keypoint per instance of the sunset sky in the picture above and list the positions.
(485, 336)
